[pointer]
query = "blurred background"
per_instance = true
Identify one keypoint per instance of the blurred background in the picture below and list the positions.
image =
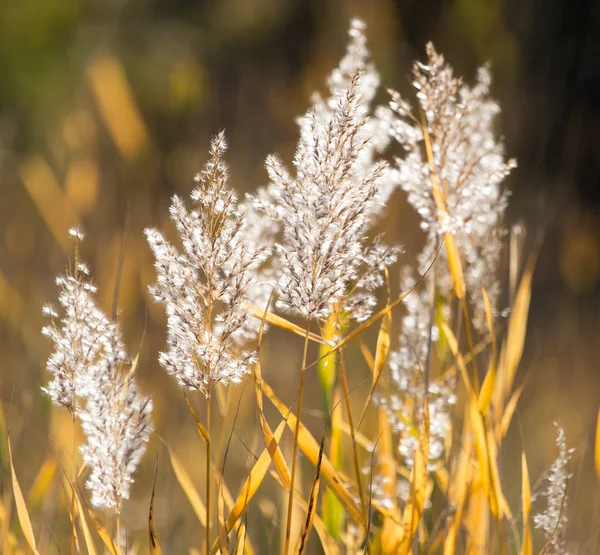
(107, 108)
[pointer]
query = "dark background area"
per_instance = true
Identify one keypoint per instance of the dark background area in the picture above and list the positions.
(107, 107)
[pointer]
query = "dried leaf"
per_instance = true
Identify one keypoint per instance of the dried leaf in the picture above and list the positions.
(188, 487)
(310, 448)
(526, 546)
(282, 323)
(22, 513)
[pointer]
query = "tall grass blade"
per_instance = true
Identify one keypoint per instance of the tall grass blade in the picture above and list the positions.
(22, 512)
(526, 543)
(418, 483)
(188, 487)
(310, 448)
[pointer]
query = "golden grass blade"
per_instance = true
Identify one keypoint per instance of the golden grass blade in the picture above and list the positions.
(188, 487)
(458, 488)
(383, 347)
(376, 317)
(312, 506)
(42, 481)
(460, 361)
(381, 353)
(270, 442)
(202, 431)
(481, 450)
(515, 338)
(222, 526)
(366, 353)
(103, 533)
(499, 505)
(22, 512)
(391, 530)
(251, 485)
(487, 388)
(310, 448)
(418, 484)
(597, 449)
(508, 414)
(152, 539)
(282, 323)
(526, 545)
(87, 536)
(455, 265)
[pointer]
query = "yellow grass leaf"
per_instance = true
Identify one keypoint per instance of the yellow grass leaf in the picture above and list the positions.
(526, 545)
(103, 533)
(42, 481)
(487, 389)
(87, 535)
(271, 443)
(515, 337)
(22, 513)
(188, 487)
(418, 484)
(222, 527)
(508, 414)
(597, 450)
(481, 450)
(202, 431)
(282, 323)
(458, 488)
(455, 265)
(460, 361)
(383, 346)
(251, 485)
(310, 448)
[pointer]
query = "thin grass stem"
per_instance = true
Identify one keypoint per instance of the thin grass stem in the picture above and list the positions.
(288, 528)
(351, 425)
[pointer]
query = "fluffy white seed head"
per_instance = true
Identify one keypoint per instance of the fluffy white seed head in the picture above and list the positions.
(205, 286)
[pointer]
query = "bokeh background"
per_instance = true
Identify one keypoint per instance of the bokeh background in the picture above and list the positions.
(107, 108)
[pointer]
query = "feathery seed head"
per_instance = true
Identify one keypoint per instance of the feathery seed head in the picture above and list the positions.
(205, 286)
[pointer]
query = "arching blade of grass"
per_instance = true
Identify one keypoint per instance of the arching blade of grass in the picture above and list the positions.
(251, 485)
(489, 382)
(89, 542)
(515, 338)
(188, 487)
(22, 512)
(381, 352)
(310, 448)
(271, 443)
(282, 323)
(42, 482)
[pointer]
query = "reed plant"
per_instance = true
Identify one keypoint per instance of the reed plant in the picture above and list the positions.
(406, 459)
